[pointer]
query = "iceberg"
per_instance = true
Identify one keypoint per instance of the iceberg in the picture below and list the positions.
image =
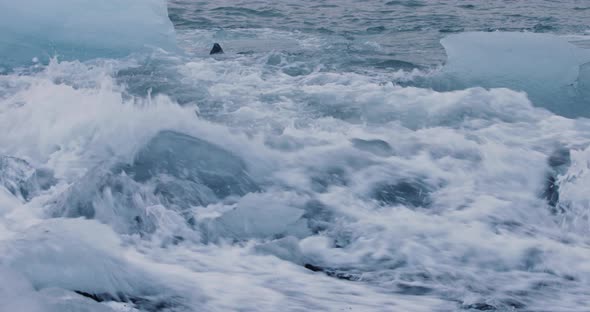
(548, 68)
(35, 30)
(173, 169)
(22, 180)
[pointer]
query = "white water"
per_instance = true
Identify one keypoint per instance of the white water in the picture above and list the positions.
(407, 198)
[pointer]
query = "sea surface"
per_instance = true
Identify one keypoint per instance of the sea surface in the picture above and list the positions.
(403, 155)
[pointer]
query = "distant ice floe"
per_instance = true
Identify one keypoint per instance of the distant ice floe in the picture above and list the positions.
(549, 68)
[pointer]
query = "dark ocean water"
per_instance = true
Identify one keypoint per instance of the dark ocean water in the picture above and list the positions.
(362, 33)
(339, 156)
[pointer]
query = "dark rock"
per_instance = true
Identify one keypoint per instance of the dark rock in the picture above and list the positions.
(480, 306)
(216, 49)
(89, 295)
(314, 268)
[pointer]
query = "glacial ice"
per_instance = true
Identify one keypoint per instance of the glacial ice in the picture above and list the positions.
(260, 216)
(21, 179)
(173, 170)
(73, 254)
(377, 147)
(189, 158)
(35, 30)
(546, 67)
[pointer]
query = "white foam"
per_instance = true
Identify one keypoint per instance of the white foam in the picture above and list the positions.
(481, 153)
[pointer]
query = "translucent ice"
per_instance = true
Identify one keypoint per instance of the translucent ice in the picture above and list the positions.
(175, 170)
(72, 254)
(189, 158)
(21, 179)
(545, 66)
(34, 30)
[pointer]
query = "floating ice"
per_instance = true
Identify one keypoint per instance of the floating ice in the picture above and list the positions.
(173, 169)
(34, 30)
(260, 216)
(22, 180)
(545, 66)
(73, 254)
(189, 158)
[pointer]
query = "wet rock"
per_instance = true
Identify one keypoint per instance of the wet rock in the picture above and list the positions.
(480, 306)
(216, 49)
(95, 297)
(314, 268)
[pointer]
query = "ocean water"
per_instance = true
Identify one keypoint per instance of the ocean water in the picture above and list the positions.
(339, 156)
